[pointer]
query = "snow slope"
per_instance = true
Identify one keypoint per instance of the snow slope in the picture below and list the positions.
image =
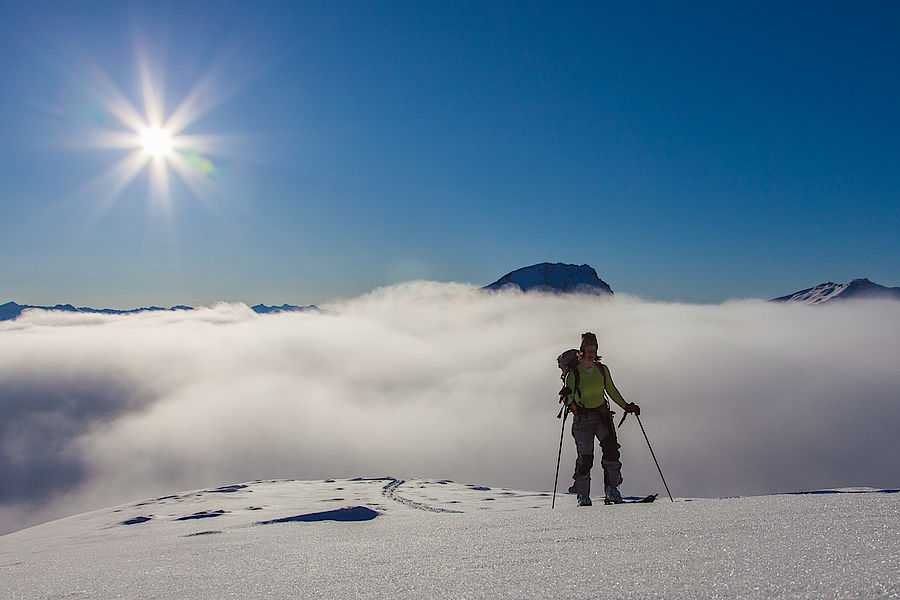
(386, 537)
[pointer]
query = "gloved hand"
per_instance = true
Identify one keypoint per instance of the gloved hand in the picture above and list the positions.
(633, 408)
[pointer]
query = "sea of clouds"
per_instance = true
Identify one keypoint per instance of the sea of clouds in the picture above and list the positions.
(435, 380)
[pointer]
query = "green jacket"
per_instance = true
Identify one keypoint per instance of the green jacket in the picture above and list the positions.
(593, 384)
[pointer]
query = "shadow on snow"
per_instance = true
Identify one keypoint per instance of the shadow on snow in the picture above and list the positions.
(351, 513)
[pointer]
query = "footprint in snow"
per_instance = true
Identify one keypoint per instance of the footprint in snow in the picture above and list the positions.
(228, 489)
(203, 515)
(202, 533)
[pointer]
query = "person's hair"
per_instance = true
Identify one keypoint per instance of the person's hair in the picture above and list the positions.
(588, 339)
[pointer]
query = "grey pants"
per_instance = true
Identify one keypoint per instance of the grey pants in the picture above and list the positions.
(585, 427)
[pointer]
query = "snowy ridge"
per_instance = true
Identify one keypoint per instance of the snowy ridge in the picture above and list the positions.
(415, 538)
(829, 292)
(554, 277)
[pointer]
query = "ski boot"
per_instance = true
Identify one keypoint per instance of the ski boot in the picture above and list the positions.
(584, 501)
(612, 495)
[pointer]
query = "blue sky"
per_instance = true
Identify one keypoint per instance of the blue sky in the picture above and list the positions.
(693, 152)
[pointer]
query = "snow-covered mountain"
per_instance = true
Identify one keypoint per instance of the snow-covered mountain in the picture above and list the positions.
(423, 538)
(554, 277)
(11, 310)
(830, 292)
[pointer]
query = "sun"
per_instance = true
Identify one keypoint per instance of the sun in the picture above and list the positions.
(156, 141)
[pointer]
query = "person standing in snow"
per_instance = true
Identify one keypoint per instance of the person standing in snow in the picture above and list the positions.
(590, 386)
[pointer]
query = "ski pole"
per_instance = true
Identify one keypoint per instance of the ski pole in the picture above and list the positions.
(653, 454)
(563, 413)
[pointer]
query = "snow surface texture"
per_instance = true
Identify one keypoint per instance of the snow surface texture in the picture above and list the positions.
(554, 277)
(830, 292)
(385, 537)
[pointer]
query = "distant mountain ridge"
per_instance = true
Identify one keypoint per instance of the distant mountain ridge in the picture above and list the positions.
(542, 277)
(11, 310)
(269, 310)
(831, 292)
(554, 277)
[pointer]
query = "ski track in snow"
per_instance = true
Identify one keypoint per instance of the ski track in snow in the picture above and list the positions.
(390, 491)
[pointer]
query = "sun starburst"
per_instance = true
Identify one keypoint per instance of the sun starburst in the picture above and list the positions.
(155, 142)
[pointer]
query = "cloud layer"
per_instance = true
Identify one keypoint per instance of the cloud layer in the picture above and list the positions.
(435, 380)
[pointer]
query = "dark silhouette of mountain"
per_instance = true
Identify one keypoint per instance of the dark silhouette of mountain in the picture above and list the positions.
(267, 310)
(554, 277)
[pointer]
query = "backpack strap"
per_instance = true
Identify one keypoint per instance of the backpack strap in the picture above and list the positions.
(602, 368)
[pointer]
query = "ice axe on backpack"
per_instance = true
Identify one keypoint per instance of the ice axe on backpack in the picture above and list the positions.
(637, 415)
